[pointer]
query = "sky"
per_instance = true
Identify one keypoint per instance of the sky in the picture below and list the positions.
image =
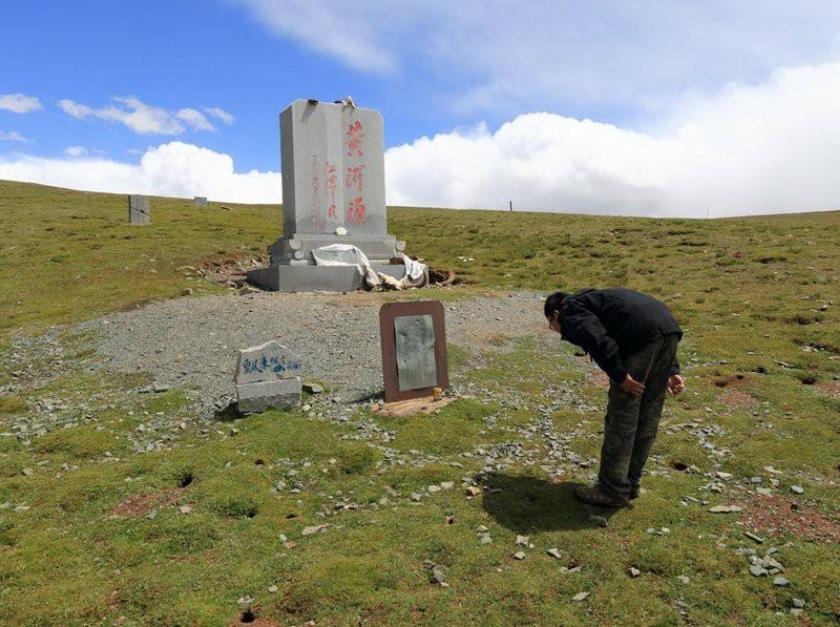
(691, 108)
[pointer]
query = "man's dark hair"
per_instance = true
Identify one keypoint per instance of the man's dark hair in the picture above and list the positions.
(553, 302)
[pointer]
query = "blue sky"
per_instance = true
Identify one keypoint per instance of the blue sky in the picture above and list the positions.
(605, 106)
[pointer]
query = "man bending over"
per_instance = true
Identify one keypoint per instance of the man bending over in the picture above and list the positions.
(633, 338)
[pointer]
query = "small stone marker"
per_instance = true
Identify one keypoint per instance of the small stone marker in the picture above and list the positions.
(200, 201)
(413, 337)
(267, 376)
(138, 209)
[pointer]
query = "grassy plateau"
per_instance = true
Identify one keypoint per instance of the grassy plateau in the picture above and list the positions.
(200, 533)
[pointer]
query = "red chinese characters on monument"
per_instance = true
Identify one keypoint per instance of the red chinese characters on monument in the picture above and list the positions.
(315, 207)
(330, 183)
(356, 211)
(353, 178)
(353, 139)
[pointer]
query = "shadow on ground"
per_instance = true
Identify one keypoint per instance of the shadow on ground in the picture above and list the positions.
(528, 505)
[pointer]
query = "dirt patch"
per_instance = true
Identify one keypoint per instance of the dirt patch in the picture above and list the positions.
(737, 399)
(776, 515)
(729, 381)
(832, 388)
(249, 618)
(253, 621)
(231, 273)
(141, 504)
(601, 379)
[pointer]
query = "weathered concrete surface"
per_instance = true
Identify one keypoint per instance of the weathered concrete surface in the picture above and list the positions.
(257, 397)
(138, 209)
(305, 278)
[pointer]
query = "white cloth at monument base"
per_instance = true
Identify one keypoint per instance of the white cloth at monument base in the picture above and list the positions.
(349, 255)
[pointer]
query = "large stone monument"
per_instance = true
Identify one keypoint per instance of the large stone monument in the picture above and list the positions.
(333, 164)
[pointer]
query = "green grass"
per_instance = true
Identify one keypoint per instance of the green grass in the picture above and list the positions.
(105, 541)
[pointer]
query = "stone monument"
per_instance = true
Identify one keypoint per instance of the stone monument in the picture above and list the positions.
(333, 164)
(138, 209)
(200, 201)
(266, 376)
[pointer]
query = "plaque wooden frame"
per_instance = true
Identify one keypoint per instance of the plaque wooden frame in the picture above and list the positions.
(388, 313)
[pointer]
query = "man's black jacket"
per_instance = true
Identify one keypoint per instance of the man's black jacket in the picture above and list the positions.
(614, 323)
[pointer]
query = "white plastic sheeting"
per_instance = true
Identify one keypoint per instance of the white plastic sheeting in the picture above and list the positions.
(349, 255)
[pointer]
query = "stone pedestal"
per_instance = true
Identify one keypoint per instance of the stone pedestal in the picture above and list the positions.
(253, 398)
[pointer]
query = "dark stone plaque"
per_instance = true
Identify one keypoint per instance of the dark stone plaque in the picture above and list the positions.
(413, 339)
(415, 349)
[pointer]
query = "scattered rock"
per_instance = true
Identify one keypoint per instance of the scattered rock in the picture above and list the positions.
(519, 555)
(313, 388)
(797, 489)
(580, 596)
(437, 576)
(522, 540)
(553, 552)
(683, 579)
(634, 572)
(308, 531)
(754, 538)
(473, 491)
(725, 509)
(27, 472)
(780, 581)
(758, 571)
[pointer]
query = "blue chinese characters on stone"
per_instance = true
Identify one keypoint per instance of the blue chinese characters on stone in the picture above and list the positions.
(273, 364)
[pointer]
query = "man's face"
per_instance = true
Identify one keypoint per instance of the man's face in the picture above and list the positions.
(554, 321)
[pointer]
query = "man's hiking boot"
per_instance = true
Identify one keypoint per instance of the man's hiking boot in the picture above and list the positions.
(596, 495)
(635, 490)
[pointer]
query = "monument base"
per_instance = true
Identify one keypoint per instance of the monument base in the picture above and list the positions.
(282, 278)
(253, 398)
(297, 250)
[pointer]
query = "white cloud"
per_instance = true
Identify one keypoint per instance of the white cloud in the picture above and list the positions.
(14, 136)
(220, 114)
(141, 118)
(560, 55)
(767, 148)
(172, 169)
(76, 151)
(19, 103)
(351, 31)
(195, 119)
(747, 149)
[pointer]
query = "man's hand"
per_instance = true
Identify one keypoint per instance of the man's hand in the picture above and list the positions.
(631, 386)
(676, 384)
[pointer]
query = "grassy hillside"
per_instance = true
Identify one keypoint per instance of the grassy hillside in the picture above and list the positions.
(758, 299)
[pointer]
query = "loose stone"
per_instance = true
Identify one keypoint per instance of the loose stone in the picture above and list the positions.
(725, 509)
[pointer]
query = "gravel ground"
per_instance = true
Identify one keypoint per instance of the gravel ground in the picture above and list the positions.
(193, 342)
